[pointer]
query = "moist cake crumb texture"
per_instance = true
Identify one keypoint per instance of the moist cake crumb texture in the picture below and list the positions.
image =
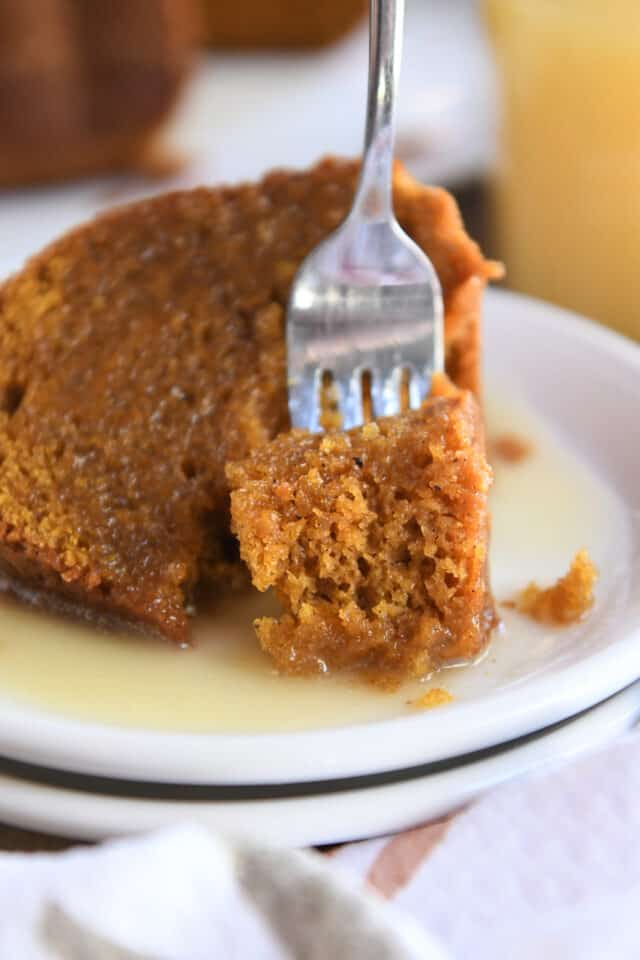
(567, 601)
(374, 539)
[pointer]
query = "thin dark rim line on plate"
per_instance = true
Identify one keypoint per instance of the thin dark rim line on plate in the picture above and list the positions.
(190, 793)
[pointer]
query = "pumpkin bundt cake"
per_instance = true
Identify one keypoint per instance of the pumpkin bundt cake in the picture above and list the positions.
(84, 85)
(142, 352)
(375, 540)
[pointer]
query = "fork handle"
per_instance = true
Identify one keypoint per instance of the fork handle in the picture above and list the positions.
(373, 200)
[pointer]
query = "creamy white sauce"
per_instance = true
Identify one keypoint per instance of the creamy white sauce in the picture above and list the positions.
(544, 509)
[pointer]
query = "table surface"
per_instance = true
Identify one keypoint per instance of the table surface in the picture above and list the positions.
(14, 840)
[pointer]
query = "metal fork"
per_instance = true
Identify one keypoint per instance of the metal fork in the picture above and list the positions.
(367, 299)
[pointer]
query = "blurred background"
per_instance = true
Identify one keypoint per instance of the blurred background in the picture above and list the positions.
(528, 111)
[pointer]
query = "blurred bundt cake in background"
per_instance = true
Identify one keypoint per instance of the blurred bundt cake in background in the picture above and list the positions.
(86, 84)
(278, 23)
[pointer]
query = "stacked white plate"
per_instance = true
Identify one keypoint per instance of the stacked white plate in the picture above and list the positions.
(541, 695)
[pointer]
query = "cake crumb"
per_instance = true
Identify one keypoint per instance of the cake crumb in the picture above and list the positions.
(567, 601)
(510, 447)
(436, 697)
(370, 431)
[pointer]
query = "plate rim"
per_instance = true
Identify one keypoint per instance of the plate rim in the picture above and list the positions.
(321, 818)
(44, 738)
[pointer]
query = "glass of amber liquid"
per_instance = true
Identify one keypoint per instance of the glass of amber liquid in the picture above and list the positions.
(566, 196)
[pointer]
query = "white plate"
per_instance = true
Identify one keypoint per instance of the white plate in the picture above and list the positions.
(586, 381)
(320, 818)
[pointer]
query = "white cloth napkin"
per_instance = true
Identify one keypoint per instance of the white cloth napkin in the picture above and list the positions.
(546, 867)
(183, 894)
(543, 868)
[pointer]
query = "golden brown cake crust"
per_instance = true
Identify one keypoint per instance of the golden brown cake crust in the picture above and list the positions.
(375, 541)
(141, 352)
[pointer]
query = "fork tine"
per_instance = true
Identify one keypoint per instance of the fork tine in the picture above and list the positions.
(419, 386)
(385, 392)
(349, 385)
(304, 400)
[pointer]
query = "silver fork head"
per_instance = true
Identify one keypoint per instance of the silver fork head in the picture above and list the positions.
(367, 299)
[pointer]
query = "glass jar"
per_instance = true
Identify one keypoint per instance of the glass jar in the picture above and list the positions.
(566, 197)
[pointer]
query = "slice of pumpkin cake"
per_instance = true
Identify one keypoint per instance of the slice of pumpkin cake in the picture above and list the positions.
(375, 541)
